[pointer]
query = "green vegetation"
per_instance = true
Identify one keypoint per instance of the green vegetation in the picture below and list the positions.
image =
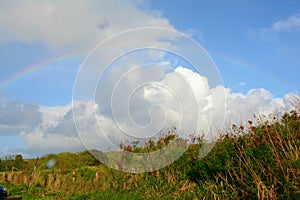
(257, 161)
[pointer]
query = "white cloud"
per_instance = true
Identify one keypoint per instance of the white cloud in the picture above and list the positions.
(179, 93)
(16, 116)
(259, 102)
(290, 24)
(73, 24)
(180, 97)
(272, 33)
(242, 83)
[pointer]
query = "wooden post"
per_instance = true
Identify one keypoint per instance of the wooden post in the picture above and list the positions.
(97, 176)
(33, 173)
(4, 177)
(14, 178)
(9, 178)
(25, 179)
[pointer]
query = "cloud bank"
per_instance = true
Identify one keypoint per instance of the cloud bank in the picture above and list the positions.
(181, 97)
(52, 129)
(72, 24)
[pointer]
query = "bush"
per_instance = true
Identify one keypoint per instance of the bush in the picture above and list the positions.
(253, 162)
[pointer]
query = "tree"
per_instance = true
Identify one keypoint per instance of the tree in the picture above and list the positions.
(19, 161)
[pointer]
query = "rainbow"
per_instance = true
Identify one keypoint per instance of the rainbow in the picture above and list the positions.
(36, 67)
(225, 57)
(249, 67)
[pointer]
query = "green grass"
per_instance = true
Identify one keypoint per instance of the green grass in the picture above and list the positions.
(105, 194)
(38, 193)
(259, 161)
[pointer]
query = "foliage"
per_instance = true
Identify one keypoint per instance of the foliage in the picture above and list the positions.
(257, 161)
(12, 162)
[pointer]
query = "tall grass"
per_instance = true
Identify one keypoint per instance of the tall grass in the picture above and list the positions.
(257, 161)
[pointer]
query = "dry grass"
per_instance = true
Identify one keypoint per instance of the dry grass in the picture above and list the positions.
(253, 162)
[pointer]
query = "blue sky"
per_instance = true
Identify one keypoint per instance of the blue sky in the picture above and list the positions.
(255, 44)
(230, 31)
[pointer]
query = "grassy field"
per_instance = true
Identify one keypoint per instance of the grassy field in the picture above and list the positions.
(259, 160)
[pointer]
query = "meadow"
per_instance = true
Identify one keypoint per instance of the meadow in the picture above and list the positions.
(257, 160)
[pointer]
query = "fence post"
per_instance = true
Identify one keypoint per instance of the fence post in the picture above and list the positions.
(25, 179)
(9, 178)
(4, 177)
(97, 176)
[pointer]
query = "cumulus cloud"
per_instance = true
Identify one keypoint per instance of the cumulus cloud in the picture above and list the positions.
(182, 97)
(73, 24)
(16, 116)
(241, 108)
(145, 101)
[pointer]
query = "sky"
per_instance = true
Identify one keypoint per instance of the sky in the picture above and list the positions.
(250, 49)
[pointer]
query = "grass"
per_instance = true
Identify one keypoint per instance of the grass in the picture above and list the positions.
(257, 161)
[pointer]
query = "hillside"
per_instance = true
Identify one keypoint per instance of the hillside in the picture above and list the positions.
(260, 160)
